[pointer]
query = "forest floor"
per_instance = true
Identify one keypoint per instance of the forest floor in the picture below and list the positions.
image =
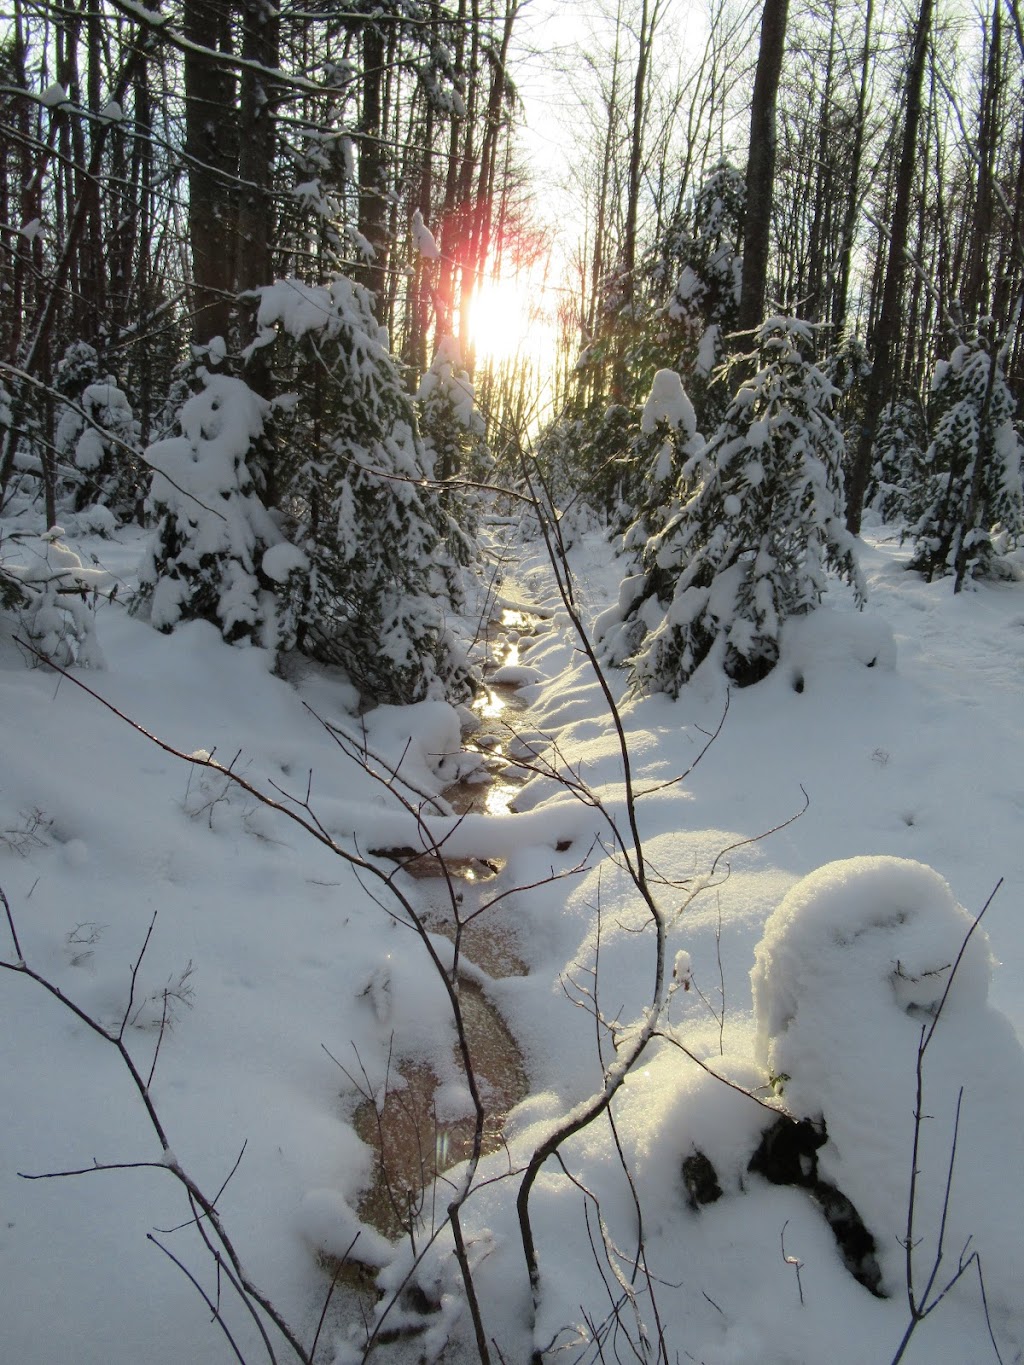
(287, 983)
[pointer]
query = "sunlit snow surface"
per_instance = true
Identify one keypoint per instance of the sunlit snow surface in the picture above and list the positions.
(907, 735)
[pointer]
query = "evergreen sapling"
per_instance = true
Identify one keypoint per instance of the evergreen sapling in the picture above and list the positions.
(974, 505)
(756, 525)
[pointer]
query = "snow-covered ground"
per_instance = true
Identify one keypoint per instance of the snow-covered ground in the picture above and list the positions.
(904, 728)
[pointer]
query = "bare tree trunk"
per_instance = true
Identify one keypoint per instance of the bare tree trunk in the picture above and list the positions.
(761, 165)
(636, 148)
(853, 196)
(256, 146)
(373, 165)
(648, 21)
(484, 215)
(212, 150)
(879, 380)
(824, 191)
(977, 300)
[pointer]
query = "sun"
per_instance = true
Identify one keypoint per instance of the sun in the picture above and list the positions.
(504, 323)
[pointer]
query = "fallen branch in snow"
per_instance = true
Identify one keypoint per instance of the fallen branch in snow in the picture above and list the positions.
(794, 1261)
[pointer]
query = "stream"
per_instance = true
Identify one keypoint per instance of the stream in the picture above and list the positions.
(412, 1145)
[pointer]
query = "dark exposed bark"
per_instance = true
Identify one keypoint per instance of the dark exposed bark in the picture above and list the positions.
(788, 1155)
(373, 165)
(761, 164)
(977, 289)
(211, 144)
(261, 28)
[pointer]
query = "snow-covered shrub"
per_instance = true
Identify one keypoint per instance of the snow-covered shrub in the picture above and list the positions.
(846, 366)
(380, 576)
(851, 972)
(677, 316)
(211, 530)
(52, 594)
(97, 435)
(974, 501)
(582, 456)
(755, 524)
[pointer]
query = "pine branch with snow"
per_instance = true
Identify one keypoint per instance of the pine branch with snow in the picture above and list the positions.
(665, 439)
(454, 445)
(896, 480)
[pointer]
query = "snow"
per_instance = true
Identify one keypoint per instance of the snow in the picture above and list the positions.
(423, 239)
(667, 402)
(853, 965)
(812, 957)
(447, 383)
(707, 350)
(54, 96)
(283, 559)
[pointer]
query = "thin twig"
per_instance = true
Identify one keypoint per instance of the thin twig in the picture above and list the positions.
(213, 1307)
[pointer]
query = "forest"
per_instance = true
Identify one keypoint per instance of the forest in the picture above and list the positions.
(573, 459)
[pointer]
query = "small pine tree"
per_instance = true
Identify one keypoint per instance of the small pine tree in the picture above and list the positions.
(896, 483)
(666, 438)
(974, 503)
(98, 435)
(53, 595)
(756, 522)
(704, 305)
(583, 458)
(675, 316)
(382, 578)
(210, 528)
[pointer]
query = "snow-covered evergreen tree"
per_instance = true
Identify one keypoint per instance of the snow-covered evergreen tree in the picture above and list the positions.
(706, 250)
(756, 523)
(896, 484)
(382, 578)
(52, 594)
(310, 519)
(97, 433)
(974, 505)
(211, 529)
(666, 438)
(675, 315)
(453, 431)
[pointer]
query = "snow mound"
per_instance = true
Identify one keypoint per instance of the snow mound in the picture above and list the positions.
(862, 962)
(823, 639)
